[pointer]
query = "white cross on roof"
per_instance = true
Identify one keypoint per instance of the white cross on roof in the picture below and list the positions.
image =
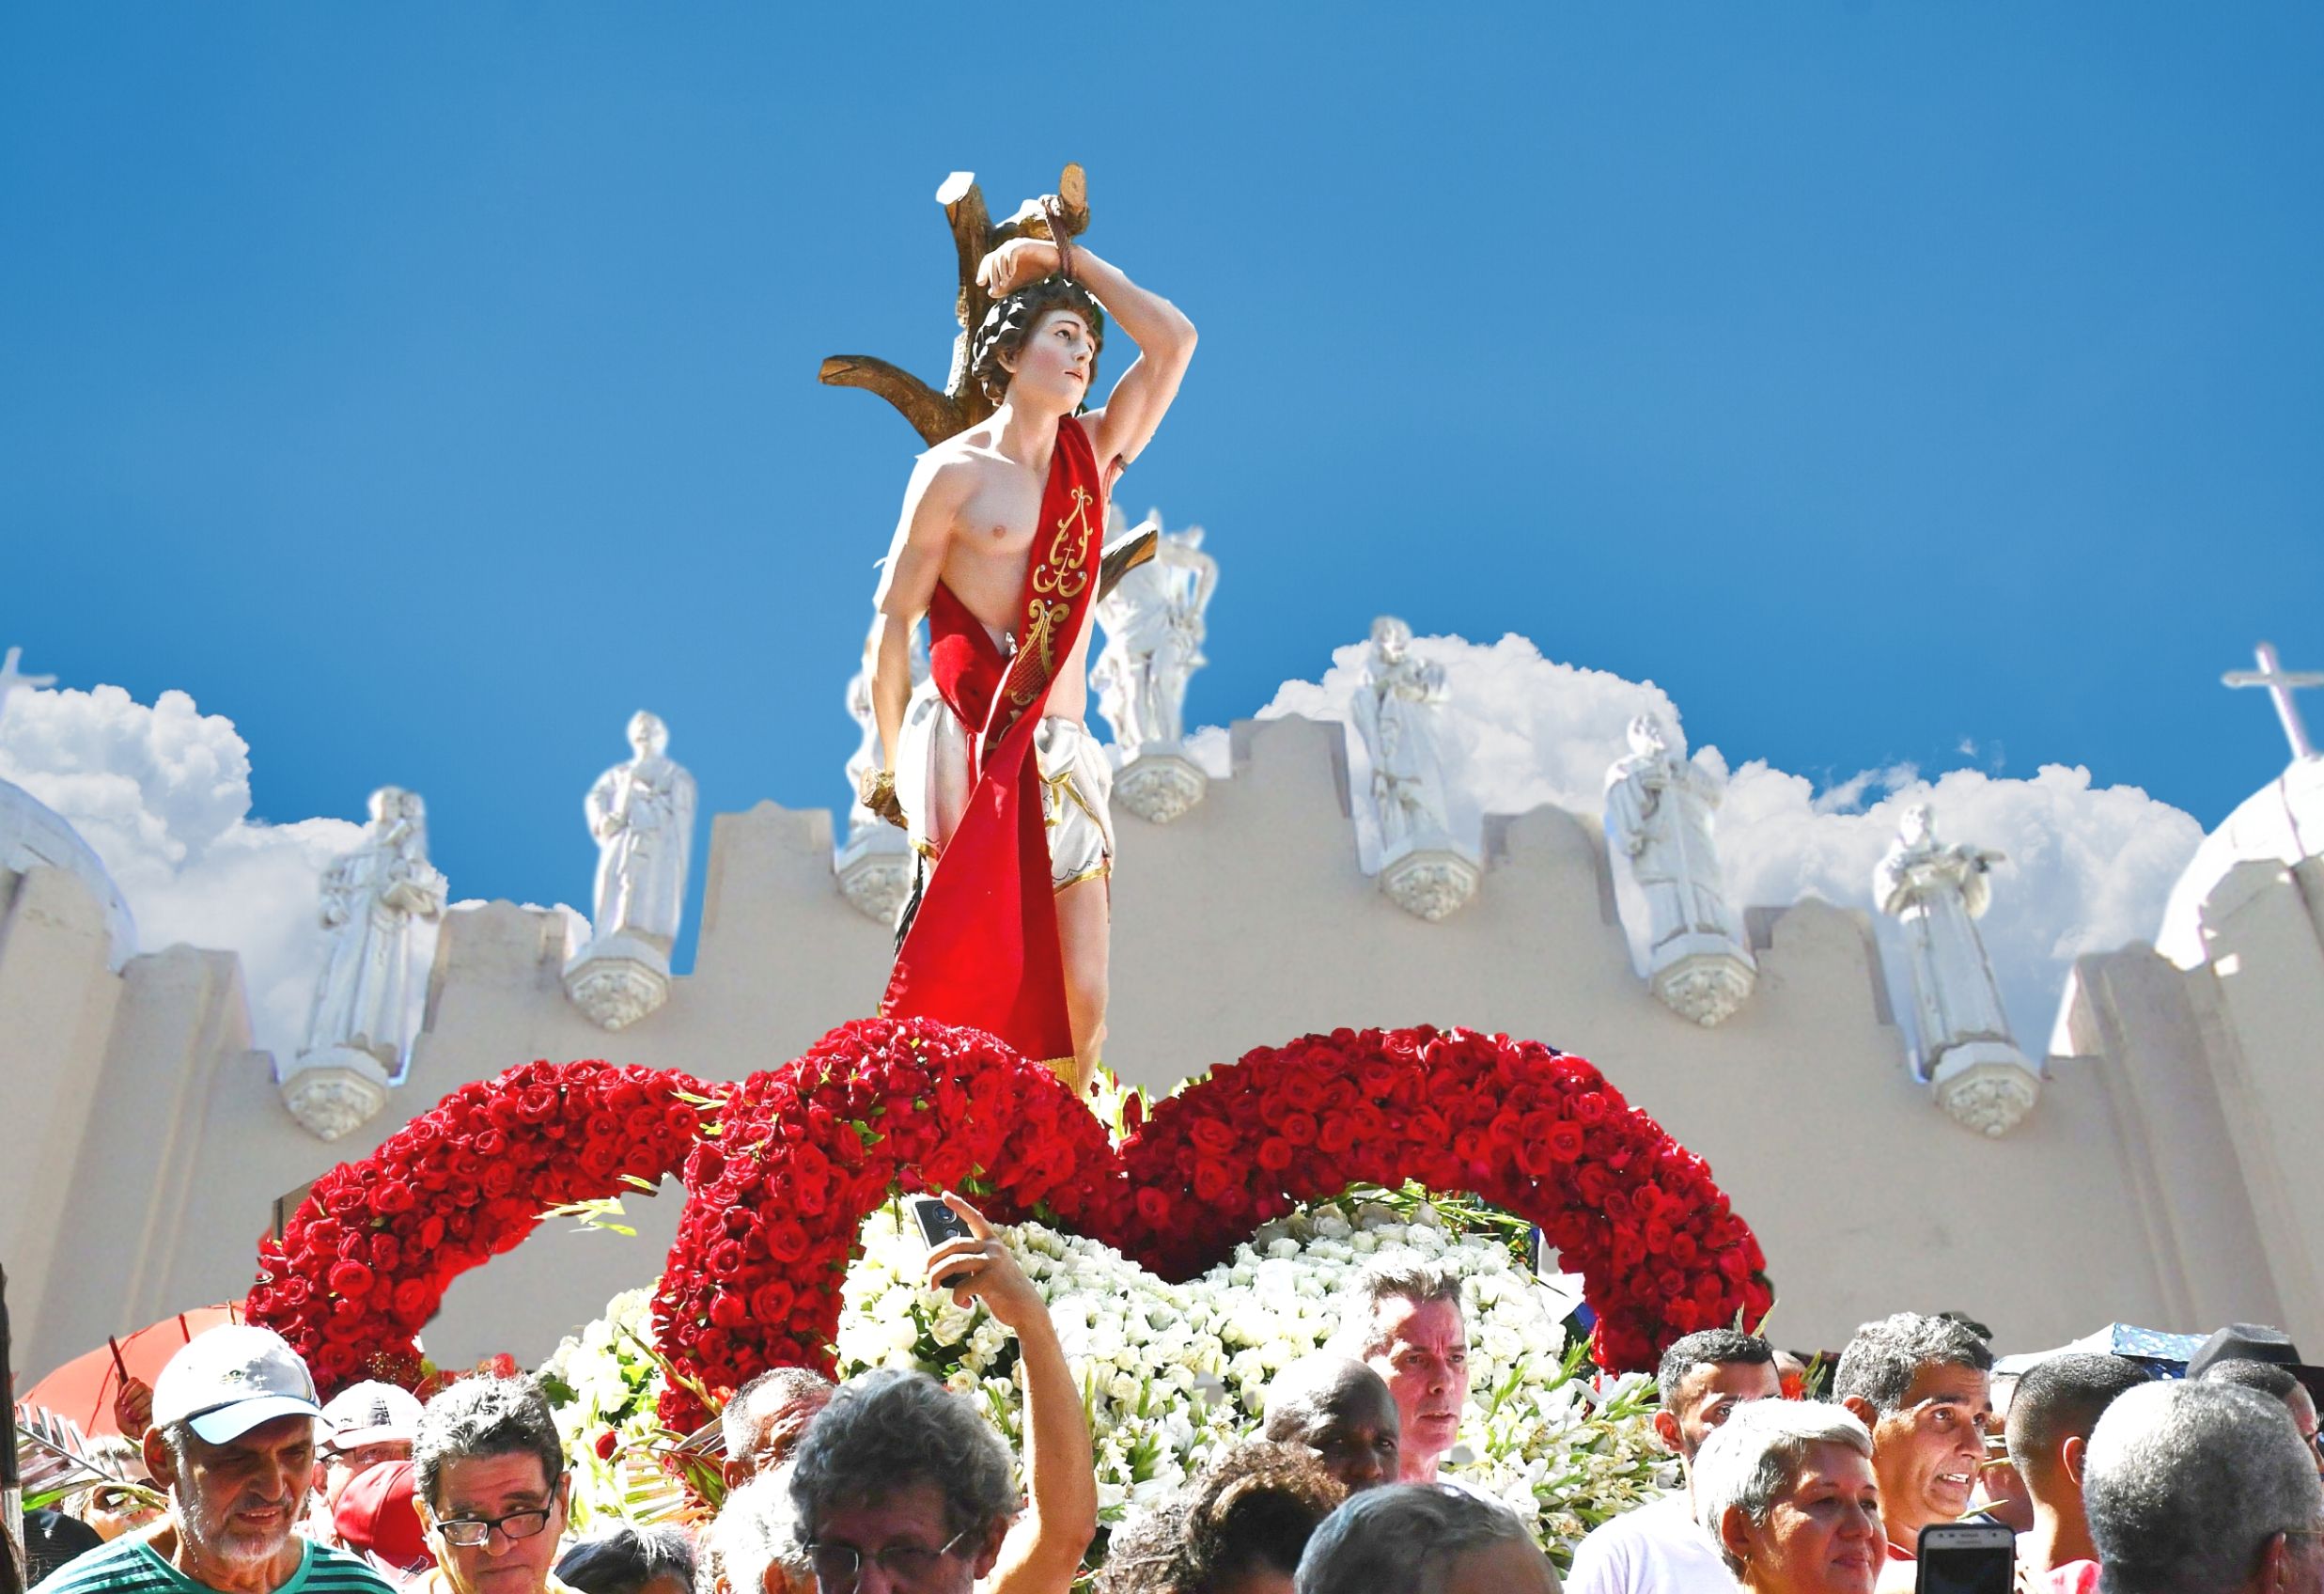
(10, 679)
(2280, 683)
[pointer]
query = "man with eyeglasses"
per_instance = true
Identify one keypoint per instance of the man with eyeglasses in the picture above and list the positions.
(366, 1425)
(491, 1489)
(901, 1485)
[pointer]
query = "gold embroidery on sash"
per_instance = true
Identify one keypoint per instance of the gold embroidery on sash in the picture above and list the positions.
(1060, 567)
(1062, 572)
(1043, 620)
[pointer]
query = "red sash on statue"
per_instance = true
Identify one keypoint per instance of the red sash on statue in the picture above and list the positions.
(982, 950)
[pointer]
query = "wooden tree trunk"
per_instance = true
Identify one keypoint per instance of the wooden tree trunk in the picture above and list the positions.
(938, 415)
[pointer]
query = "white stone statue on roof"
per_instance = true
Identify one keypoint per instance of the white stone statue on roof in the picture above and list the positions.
(366, 1006)
(1659, 814)
(1154, 630)
(1937, 892)
(1153, 621)
(642, 815)
(1422, 868)
(1395, 712)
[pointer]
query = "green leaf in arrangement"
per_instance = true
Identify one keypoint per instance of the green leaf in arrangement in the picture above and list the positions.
(605, 1212)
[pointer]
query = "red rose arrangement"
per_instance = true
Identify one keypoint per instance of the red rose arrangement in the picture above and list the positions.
(777, 1201)
(366, 1259)
(1515, 1122)
(778, 1190)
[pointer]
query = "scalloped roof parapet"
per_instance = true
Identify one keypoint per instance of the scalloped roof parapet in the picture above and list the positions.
(34, 834)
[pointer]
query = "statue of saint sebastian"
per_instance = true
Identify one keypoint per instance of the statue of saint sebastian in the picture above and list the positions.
(989, 765)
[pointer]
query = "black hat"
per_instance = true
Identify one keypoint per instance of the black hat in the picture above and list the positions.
(2244, 1342)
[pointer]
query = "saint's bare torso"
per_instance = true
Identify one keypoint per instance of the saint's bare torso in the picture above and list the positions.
(991, 544)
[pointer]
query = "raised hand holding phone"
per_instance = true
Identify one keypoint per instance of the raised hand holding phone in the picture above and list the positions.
(966, 1258)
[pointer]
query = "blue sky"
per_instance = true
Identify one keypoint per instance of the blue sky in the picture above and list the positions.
(426, 388)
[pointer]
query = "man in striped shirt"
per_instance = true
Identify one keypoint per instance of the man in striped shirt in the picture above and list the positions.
(232, 1445)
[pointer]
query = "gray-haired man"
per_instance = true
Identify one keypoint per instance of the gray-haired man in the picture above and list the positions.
(765, 1419)
(2203, 1488)
(2276, 1381)
(233, 1445)
(1924, 1385)
(1405, 1321)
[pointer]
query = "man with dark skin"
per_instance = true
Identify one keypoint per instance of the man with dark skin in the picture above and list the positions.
(1924, 1386)
(1340, 1409)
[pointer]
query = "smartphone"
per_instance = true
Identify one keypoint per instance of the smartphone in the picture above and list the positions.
(1965, 1557)
(939, 1223)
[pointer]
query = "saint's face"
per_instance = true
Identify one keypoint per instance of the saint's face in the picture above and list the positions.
(1053, 370)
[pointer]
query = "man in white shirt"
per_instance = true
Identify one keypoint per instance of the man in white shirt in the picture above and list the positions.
(1659, 1549)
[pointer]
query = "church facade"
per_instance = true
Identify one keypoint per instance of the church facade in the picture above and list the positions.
(2153, 1167)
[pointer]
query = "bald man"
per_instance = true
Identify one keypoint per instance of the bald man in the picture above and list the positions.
(1340, 1409)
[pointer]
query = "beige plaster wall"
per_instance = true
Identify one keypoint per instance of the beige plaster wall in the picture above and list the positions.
(1246, 923)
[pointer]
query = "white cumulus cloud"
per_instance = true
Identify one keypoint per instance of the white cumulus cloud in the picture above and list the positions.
(2088, 868)
(163, 794)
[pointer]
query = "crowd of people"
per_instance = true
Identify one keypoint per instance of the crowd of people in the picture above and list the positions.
(2111, 1480)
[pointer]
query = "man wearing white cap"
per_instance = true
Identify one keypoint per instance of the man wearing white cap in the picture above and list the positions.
(233, 1446)
(365, 1425)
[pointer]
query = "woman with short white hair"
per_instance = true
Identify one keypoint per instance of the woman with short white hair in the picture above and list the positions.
(1785, 1490)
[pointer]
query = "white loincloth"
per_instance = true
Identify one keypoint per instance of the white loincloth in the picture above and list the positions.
(1077, 787)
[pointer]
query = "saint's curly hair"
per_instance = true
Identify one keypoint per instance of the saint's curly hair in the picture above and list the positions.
(1011, 320)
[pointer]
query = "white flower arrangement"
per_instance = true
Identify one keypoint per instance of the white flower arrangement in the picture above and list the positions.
(605, 1379)
(1172, 1373)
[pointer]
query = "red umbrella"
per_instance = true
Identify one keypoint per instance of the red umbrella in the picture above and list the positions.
(82, 1389)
